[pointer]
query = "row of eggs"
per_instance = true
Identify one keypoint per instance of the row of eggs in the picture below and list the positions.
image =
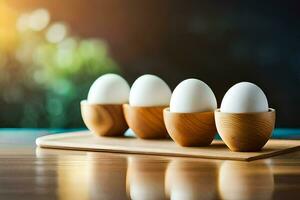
(189, 114)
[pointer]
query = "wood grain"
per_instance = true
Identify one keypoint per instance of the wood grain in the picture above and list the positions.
(217, 150)
(190, 129)
(146, 122)
(245, 131)
(104, 120)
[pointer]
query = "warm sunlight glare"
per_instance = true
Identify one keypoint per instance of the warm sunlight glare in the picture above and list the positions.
(7, 27)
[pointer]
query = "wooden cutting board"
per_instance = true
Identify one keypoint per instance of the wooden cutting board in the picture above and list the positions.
(84, 140)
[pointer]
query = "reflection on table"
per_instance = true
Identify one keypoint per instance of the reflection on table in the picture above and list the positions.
(191, 180)
(92, 175)
(246, 180)
(146, 178)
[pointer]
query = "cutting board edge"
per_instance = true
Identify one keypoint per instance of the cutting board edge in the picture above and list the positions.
(44, 141)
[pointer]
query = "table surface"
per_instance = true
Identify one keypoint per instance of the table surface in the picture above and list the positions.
(28, 172)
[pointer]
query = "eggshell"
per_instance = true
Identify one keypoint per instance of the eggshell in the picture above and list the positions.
(149, 90)
(109, 89)
(244, 97)
(192, 95)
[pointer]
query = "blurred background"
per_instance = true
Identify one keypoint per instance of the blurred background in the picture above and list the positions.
(52, 50)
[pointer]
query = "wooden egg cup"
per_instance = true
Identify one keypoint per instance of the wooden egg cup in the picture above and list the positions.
(104, 120)
(190, 129)
(146, 122)
(245, 131)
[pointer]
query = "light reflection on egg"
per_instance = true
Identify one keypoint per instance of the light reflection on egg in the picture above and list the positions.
(109, 89)
(149, 90)
(244, 97)
(192, 95)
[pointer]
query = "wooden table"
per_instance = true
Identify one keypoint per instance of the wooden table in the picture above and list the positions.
(27, 172)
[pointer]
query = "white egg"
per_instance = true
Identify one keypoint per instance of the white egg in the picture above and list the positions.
(192, 95)
(109, 89)
(149, 90)
(244, 97)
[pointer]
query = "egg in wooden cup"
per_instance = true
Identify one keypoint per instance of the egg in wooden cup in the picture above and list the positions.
(245, 122)
(190, 118)
(102, 112)
(149, 95)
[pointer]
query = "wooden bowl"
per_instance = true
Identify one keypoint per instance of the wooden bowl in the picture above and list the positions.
(245, 131)
(146, 122)
(104, 120)
(190, 129)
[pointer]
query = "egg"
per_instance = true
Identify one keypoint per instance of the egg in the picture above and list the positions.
(192, 95)
(149, 90)
(244, 97)
(109, 89)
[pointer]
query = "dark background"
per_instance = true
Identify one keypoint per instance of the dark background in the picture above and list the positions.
(219, 42)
